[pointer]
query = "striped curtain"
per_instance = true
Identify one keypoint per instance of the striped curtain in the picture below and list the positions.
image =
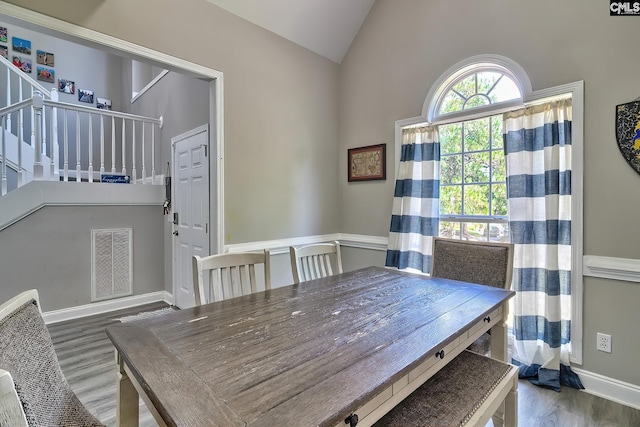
(415, 212)
(538, 159)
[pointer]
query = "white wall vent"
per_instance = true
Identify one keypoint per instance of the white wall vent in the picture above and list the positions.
(111, 263)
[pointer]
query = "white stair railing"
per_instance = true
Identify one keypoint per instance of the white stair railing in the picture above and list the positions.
(30, 148)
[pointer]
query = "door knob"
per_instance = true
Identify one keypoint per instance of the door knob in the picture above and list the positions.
(175, 233)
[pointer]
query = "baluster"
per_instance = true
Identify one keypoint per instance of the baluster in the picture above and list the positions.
(53, 142)
(90, 170)
(133, 151)
(101, 145)
(4, 155)
(37, 135)
(113, 144)
(21, 118)
(33, 118)
(144, 171)
(8, 119)
(153, 157)
(21, 175)
(66, 147)
(78, 178)
(44, 129)
(124, 153)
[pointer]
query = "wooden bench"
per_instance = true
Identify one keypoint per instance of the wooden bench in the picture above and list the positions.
(466, 392)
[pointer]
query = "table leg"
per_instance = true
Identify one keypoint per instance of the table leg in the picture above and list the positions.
(499, 351)
(127, 410)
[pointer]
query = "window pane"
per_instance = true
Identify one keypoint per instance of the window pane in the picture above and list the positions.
(451, 169)
(476, 135)
(476, 199)
(476, 101)
(499, 233)
(451, 102)
(499, 199)
(450, 229)
(505, 90)
(496, 132)
(474, 231)
(497, 164)
(467, 86)
(486, 81)
(476, 167)
(451, 200)
(451, 138)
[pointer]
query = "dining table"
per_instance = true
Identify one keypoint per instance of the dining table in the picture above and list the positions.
(337, 351)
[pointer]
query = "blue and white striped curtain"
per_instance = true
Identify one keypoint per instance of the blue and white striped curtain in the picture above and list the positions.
(538, 159)
(415, 212)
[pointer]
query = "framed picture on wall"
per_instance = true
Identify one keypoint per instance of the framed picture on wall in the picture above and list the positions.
(21, 45)
(367, 163)
(23, 63)
(4, 51)
(85, 96)
(44, 58)
(66, 86)
(103, 103)
(3, 34)
(46, 74)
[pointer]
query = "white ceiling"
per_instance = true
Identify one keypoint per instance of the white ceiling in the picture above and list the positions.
(326, 27)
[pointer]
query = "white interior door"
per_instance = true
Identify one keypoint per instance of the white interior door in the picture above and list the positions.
(190, 184)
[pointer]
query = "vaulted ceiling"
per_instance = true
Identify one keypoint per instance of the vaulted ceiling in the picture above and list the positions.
(327, 27)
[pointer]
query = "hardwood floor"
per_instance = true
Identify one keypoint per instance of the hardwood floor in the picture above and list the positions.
(87, 360)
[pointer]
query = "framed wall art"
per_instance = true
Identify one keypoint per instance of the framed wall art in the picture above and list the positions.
(367, 163)
(4, 52)
(45, 58)
(66, 86)
(103, 103)
(21, 45)
(46, 74)
(3, 34)
(85, 96)
(23, 63)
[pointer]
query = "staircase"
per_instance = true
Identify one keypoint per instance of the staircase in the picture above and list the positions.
(43, 139)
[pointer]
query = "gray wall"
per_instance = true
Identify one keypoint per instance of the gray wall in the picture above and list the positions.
(50, 251)
(281, 115)
(405, 45)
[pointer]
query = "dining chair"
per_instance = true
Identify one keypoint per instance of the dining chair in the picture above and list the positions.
(485, 263)
(28, 355)
(314, 261)
(223, 276)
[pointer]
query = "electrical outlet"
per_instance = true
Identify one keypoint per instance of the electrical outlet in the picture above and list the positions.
(604, 342)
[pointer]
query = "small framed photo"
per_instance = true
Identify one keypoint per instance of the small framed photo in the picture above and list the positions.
(103, 103)
(4, 52)
(21, 45)
(66, 86)
(44, 58)
(23, 63)
(3, 34)
(46, 74)
(85, 96)
(367, 163)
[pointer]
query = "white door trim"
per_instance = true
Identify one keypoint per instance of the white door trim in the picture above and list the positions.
(216, 86)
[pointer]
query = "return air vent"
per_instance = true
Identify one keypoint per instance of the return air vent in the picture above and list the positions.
(111, 263)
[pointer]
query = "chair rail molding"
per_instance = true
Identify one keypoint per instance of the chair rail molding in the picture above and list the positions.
(611, 268)
(281, 246)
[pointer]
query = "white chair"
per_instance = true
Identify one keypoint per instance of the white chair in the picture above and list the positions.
(314, 261)
(27, 353)
(230, 275)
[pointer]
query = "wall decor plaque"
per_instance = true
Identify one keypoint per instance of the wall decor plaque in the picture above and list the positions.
(628, 132)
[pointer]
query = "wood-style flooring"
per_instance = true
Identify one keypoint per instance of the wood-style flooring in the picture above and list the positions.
(87, 360)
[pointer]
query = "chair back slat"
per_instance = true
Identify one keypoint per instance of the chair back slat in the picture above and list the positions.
(315, 261)
(229, 275)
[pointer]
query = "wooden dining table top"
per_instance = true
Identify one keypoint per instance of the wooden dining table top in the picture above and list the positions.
(299, 355)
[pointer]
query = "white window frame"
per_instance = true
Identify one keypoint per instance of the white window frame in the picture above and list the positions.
(517, 73)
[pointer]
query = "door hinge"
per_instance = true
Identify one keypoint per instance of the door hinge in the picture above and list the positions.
(205, 149)
(206, 228)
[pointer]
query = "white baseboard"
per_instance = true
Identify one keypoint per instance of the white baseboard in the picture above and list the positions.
(105, 306)
(609, 388)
